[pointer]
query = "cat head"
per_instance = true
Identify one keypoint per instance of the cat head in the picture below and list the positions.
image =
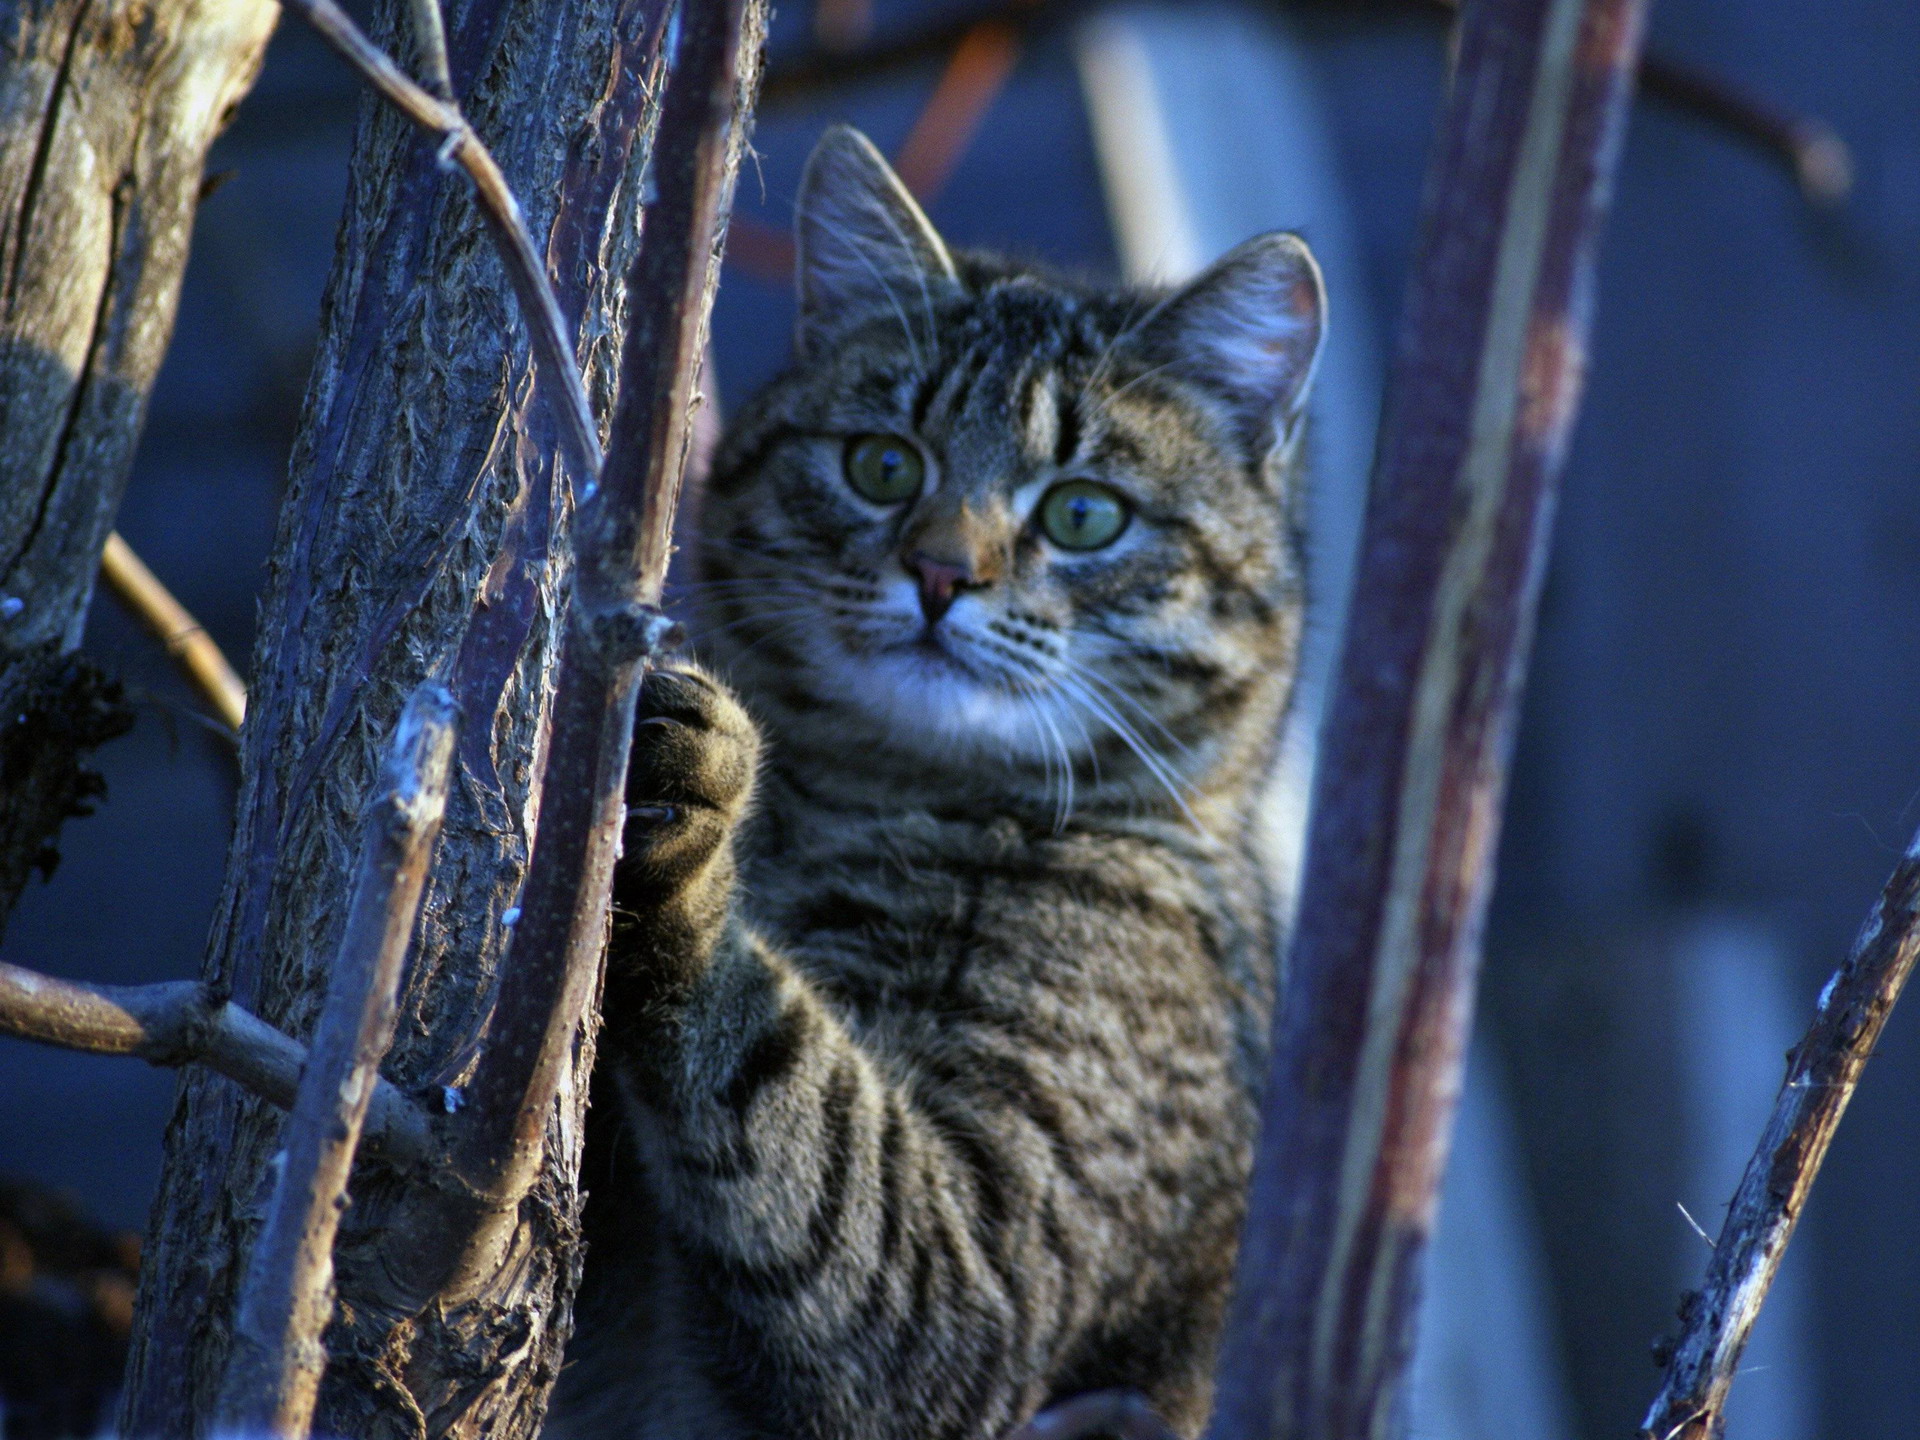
(1009, 526)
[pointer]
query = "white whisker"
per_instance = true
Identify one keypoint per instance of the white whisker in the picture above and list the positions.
(1131, 738)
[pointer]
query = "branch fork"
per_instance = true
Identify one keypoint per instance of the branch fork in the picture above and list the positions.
(459, 145)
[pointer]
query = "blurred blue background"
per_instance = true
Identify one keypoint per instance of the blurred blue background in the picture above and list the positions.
(1720, 755)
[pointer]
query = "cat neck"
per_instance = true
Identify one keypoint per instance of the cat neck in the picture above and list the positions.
(829, 760)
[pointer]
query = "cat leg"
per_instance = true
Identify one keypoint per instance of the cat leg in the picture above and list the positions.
(689, 783)
(872, 1242)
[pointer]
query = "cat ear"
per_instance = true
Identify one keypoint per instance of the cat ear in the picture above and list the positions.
(1249, 328)
(863, 244)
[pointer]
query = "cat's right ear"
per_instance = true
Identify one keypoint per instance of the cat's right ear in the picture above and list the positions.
(863, 244)
(1250, 329)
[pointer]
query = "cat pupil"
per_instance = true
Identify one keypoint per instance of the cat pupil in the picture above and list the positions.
(882, 468)
(1083, 515)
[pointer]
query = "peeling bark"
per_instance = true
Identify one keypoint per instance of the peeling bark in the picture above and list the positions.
(107, 108)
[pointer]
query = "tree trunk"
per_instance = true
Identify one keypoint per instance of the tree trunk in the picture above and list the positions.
(107, 108)
(423, 532)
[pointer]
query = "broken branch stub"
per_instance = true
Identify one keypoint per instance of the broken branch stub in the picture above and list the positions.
(274, 1368)
(179, 1022)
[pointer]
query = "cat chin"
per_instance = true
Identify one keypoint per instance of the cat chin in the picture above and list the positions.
(928, 703)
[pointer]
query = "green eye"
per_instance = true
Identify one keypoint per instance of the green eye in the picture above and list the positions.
(1081, 515)
(884, 468)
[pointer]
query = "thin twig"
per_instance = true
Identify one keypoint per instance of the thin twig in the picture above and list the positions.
(1370, 1030)
(622, 540)
(1812, 151)
(179, 1022)
(185, 639)
(1822, 1071)
(538, 304)
(1122, 1414)
(1820, 161)
(430, 39)
(274, 1367)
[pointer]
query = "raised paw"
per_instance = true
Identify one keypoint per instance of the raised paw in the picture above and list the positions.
(689, 776)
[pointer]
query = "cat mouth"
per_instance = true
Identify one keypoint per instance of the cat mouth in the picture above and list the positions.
(931, 647)
(940, 654)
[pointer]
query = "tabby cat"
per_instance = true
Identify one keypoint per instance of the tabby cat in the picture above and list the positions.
(938, 994)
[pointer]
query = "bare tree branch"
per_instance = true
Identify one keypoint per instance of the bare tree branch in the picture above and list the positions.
(1822, 1072)
(173, 625)
(181, 1023)
(1821, 162)
(1810, 149)
(430, 38)
(274, 1368)
(622, 543)
(1370, 1030)
(538, 304)
(422, 478)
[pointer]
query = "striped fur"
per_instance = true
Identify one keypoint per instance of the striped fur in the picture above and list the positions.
(939, 987)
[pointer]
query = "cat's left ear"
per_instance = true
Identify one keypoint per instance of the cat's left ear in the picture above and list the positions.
(1250, 329)
(864, 246)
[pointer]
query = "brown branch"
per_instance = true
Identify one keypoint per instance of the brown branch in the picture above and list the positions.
(538, 304)
(1370, 1031)
(274, 1368)
(170, 622)
(1822, 1071)
(180, 1022)
(1122, 1414)
(622, 542)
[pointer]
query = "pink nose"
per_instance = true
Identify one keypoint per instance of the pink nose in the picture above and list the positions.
(940, 584)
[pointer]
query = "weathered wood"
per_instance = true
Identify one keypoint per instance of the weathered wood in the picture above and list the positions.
(1369, 1037)
(459, 145)
(423, 533)
(273, 1372)
(106, 113)
(1822, 1072)
(622, 545)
